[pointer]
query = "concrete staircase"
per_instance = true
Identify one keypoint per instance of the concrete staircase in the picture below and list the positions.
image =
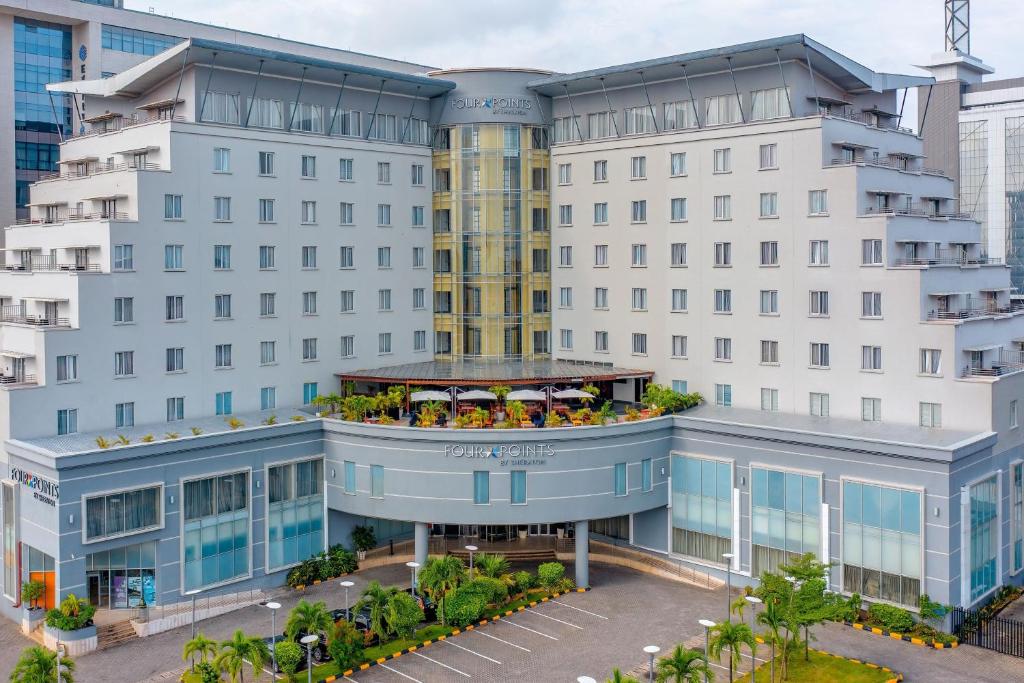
(525, 555)
(109, 635)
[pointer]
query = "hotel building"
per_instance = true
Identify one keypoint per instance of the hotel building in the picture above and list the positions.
(239, 229)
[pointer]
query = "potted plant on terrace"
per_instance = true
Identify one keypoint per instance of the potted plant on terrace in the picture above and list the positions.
(500, 391)
(31, 591)
(516, 412)
(363, 538)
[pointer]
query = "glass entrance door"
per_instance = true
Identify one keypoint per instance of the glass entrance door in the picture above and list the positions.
(99, 588)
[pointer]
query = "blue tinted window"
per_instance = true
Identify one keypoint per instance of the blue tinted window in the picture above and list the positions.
(481, 488)
(911, 506)
(890, 509)
(620, 479)
(852, 501)
(776, 490)
(708, 487)
(759, 487)
(136, 42)
(872, 506)
(518, 487)
(794, 492)
(646, 474)
(350, 477)
(724, 481)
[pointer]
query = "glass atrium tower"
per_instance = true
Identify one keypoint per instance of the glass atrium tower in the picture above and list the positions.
(492, 219)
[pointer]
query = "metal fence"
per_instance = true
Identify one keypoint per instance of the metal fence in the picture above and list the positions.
(992, 633)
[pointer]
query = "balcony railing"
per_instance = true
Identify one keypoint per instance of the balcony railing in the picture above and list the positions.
(45, 263)
(101, 167)
(116, 124)
(17, 379)
(896, 211)
(1009, 362)
(950, 257)
(968, 313)
(17, 314)
(75, 215)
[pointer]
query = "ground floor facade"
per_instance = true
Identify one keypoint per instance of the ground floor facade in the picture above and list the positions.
(897, 514)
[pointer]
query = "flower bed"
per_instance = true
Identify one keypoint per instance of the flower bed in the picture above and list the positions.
(825, 667)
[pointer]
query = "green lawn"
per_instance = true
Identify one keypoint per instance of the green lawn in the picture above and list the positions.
(821, 669)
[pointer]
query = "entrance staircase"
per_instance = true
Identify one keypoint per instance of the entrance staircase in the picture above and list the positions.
(512, 555)
(109, 635)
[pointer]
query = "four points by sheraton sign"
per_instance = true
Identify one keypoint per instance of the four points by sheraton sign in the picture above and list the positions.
(499, 105)
(506, 454)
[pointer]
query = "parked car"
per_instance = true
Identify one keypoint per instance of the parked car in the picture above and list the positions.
(361, 620)
(319, 654)
(271, 640)
(426, 604)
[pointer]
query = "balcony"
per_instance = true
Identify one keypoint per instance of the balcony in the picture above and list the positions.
(950, 257)
(46, 263)
(71, 215)
(85, 170)
(11, 381)
(17, 314)
(970, 313)
(1008, 363)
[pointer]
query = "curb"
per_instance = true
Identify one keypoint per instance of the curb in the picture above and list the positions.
(302, 586)
(897, 676)
(427, 643)
(901, 636)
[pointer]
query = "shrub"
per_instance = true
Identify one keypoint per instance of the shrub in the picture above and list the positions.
(364, 538)
(73, 614)
(208, 672)
(849, 610)
(341, 560)
(196, 431)
(235, 423)
(123, 440)
(632, 414)
(553, 419)
(346, 646)
(32, 591)
(289, 655)
(171, 435)
(298, 418)
(464, 606)
(891, 618)
(148, 438)
(494, 591)
(404, 613)
(301, 575)
(550, 573)
(565, 585)
(102, 442)
(523, 581)
(271, 420)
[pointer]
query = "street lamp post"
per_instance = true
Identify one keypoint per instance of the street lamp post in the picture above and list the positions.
(728, 585)
(651, 650)
(273, 607)
(707, 624)
(60, 652)
(585, 679)
(754, 602)
(472, 549)
(413, 566)
(192, 594)
(346, 585)
(310, 642)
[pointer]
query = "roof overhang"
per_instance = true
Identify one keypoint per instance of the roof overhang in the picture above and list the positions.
(841, 70)
(143, 77)
(982, 347)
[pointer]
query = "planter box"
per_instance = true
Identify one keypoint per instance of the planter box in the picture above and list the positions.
(31, 619)
(75, 643)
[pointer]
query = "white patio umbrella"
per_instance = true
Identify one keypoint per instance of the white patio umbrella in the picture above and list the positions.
(572, 393)
(420, 396)
(477, 395)
(526, 395)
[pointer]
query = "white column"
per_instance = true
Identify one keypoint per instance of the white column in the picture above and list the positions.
(583, 554)
(421, 542)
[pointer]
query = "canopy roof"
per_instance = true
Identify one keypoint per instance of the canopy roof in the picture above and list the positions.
(488, 372)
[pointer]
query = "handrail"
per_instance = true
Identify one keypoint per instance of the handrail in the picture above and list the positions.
(13, 379)
(74, 215)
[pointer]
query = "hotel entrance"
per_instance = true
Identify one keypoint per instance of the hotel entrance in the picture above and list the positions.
(123, 577)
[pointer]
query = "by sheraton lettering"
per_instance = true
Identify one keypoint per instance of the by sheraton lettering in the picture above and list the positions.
(43, 490)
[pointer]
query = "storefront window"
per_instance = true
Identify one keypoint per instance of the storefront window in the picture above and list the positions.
(124, 512)
(295, 521)
(785, 517)
(40, 567)
(701, 507)
(216, 529)
(122, 577)
(10, 540)
(1017, 515)
(984, 501)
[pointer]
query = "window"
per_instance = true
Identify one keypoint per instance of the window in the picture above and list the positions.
(678, 209)
(785, 517)
(818, 202)
(266, 214)
(638, 168)
(541, 341)
(679, 303)
(417, 217)
(518, 493)
(769, 253)
(309, 303)
(723, 254)
(601, 297)
(871, 304)
(723, 349)
(346, 213)
(638, 211)
(601, 213)
(620, 483)
(345, 169)
(384, 342)
(565, 174)
(67, 421)
(769, 302)
(1016, 517)
(1013, 414)
(481, 487)
(266, 163)
(639, 120)
(383, 299)
(871, 409)
(871, 252)
(882, 542)
(678, 346)
(222, 401)
(601, 125)
(680, 114)
(12, 567)
(123, 257)
(677, 164)
(769, 205)
(222, 209)
(819, 355)
(221, 306)
(818, 255)
(723, 160)
(174, 308)
(768, 157)
(721, 110)
(723, 395)
(308, 212)
(122, 513)
(931, 415)
(266, 113)
(67, 368)
(308, 257)
(419, 340)
(601, 341)
(819, 404)
(769, 399)
(931, 362)
(639, 255)
(175, 409)
(600, 171)
(565, 214)
(347, 257)
(418, 257)
(268, 352)
(639, 298)
(417, 175)
(175, 359)
(772, 103)
(769, 352)
(383, 172)
(124, 363)
(217, 526)
(350, 477)
(723, 301)
(818, 303)
(124, 415)
(222, 257)
(268, 398)
(983, 564)
(309, 350)
(679, 386)
(221, 160)
(348, 346)
(723, 207)
(383, 257)
(266, 257)
(173, 257)
(308, 166)
(172, 206)
(268, 304)
(376, 481)
(677, 254)
(565, 256)
(702, 492)
(565, 297)
(309, 392)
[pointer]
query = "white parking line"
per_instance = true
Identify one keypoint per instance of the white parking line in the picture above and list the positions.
(557, 602)
(512, 623)
(470, 651)
(398, 672)
(538, 614)
(463, 673)
(481, 633)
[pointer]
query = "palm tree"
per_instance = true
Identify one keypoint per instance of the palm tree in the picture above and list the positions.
(200, 645)
(236, 652)
(771, 619)
(491, 564)
(618, 677)
(439, 577)
(683, 666)
(39, 665)
(333, 400)
(377, 598)
(731, 635)
(307, 618)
